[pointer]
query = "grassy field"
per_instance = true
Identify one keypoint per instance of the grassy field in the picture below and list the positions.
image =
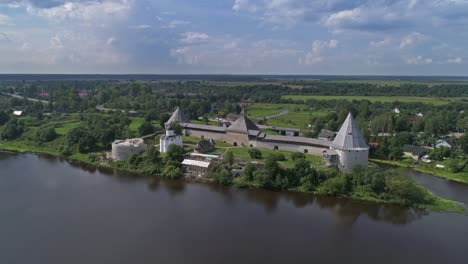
(64, 128)
(136, 123)
(383, 99)
(298, 115)
(243, 154)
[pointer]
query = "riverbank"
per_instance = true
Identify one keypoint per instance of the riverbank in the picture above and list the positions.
(438, 205)
(438, 172)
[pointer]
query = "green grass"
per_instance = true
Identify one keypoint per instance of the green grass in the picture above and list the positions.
(298, 117)
(383, 99)
(136, 122)
(63, 129)
(201, 122)
(243, 154)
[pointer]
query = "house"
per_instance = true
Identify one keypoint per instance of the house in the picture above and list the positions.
(327, 135)
(419, 114)
(396, 111)
(414, 152)
(443, 143)
(18, 113)
(205, 146)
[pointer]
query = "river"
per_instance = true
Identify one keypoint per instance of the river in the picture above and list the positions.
(55, 212)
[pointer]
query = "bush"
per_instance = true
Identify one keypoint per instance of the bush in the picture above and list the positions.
(255, 153)
(223, 177)
(172, 172)
(336, 186)
(407, 191)
(297, 156)
(46, 134)
(278, 156)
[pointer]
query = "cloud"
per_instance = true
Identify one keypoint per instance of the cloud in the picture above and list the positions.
(419, 60)
(456, 60)
(5, 20)
(411, 40)
(316, 54)
(193, 37)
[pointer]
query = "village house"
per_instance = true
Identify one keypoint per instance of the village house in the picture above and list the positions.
(414, 152)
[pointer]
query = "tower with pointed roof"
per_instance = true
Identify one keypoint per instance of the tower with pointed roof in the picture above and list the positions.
(240, 131)
(177, 117)
(350, 146)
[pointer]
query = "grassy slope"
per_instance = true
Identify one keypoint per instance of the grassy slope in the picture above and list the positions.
(383, 99)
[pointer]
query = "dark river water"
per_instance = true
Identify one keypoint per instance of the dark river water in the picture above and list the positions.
(54, 212)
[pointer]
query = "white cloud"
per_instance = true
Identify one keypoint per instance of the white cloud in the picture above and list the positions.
(193, 37)
(316, 54)
(5, 20)
(419, 60)
(411, 40)
(381, 43)
(177, 23)
(456, 60)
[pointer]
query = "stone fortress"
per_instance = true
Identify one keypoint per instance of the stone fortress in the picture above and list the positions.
(348, 149)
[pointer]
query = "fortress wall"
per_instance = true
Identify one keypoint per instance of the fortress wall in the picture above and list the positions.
(206, 134)
(317, 151)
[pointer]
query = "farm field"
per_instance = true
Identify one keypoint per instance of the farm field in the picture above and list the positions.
(383, 99)
(298, 114)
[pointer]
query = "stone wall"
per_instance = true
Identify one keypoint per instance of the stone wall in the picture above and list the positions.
(237, 139)
(205, 134)
(287, 147)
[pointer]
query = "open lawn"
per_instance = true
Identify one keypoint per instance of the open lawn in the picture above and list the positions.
(243, 154)
(63, 129)
(383, 99)
(298, 115)
(136, 123)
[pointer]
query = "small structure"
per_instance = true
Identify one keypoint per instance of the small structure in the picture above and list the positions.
(17, 113)
(327, 135)
(169, 139)
(419, 114)
(350, 146)
(396, 111)
(331, 157)
(195, 168)
(443, 143)
(205, 146)
(414, 152)
(122, 149)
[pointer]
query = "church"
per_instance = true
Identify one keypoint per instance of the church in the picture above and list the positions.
(346, 151)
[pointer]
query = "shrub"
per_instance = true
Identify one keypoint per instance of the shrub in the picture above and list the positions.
(255, 153)
(297, 156)
(172, 172)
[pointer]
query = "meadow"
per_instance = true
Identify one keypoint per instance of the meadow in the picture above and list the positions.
(298, 115)
(373, 99)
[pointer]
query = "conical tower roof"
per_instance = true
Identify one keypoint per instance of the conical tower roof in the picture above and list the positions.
(349, 137)
(177, 117)
(243, 125)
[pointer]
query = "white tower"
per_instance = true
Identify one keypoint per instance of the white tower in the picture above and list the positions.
(350, 146)
(169, 139)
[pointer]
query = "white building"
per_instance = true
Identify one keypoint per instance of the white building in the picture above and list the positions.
(169, 139)
(122, 149)
(349, 146)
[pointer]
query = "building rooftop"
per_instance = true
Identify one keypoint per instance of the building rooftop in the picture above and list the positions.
(196, 163)
(243, 125)
(177, 117)
(349, 137)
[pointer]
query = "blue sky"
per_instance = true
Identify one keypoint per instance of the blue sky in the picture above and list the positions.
(391, 37)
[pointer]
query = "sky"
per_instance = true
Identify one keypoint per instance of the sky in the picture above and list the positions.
(344, 37)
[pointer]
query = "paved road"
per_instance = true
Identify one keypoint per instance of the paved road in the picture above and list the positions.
(27, 98)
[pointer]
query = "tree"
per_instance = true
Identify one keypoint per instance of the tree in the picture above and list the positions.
(175, 153)
(255, 153)
(4, 117)
(228, 158)
(46, 134)
(153, 154)
(406, 190)
(12, 130)
(146, 128)
(172, 172)
(223, 177)
(249, 171)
